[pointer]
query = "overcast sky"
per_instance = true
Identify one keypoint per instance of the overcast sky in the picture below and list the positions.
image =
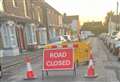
(88, 10)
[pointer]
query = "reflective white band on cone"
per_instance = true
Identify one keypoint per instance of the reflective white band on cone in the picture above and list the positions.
(29, 68)
(91, 63)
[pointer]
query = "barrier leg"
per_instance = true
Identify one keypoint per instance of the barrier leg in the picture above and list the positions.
(42, 74)
(46, 72)
(74, 73)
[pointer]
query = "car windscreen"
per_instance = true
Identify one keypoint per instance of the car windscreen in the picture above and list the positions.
(54, 40)
(65, 37)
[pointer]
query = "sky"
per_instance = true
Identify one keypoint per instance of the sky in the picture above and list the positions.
(1, 8)
(88, 10)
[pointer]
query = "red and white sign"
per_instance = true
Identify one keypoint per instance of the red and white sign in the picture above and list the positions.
(58, 59)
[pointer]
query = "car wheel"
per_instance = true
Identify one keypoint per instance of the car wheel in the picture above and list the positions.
(118, 58)
(118, 55)
(117, 51)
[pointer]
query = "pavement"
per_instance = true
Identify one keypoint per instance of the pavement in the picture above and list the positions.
(106, 66)
(13, 60)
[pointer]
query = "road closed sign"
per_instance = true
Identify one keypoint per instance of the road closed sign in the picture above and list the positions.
(58, 59)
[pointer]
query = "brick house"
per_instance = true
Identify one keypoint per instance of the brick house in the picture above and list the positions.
(23, 23)
(53, 21)
(19, 22)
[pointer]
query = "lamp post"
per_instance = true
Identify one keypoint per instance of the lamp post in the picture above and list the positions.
(65, 23)
(117, 22)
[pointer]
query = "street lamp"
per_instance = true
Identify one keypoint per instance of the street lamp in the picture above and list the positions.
(117, 22)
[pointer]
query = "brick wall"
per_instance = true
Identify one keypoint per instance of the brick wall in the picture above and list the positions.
(14, 9)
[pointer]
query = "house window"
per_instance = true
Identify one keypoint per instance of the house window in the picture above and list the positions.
(9, 36)
(30, 34)
(14, 3)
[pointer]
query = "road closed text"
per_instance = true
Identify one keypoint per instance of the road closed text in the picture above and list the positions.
(58, 59)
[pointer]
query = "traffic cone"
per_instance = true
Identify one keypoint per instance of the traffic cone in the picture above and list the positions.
(91, 68)
(91, 55)
(29, 74)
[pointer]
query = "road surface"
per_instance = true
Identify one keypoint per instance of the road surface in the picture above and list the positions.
(106, 66)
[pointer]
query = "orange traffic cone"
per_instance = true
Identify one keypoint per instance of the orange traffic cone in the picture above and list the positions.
(91, 68)
(29, 74)
(91, 55)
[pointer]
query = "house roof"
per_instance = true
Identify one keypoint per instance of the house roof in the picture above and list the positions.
(50, 7)
(115, 19)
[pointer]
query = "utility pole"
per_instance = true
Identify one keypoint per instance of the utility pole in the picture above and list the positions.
(65, 23)
(117, 7)
(117, 22)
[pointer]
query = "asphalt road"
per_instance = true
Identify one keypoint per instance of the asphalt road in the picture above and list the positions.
(106, 66)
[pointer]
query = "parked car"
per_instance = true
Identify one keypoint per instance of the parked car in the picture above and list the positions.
(110, 39)
(74, 38)
(107, 41)
(57, 40)
(83, 36)
(67, 37)
(114, 43)
(115, 47)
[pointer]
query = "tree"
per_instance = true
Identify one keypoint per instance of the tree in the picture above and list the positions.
(96, 27)
(73, 32)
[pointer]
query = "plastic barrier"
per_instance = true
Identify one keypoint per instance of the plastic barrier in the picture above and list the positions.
(81, 50)
(58, 59)
(47, 46)
(64, 45)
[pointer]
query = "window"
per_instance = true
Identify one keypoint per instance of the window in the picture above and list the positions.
(30, 34)
(14, 3)
(9, 36)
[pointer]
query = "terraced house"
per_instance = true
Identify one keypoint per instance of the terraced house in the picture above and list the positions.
(20, 24)
(54, 21)
(23, 23)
